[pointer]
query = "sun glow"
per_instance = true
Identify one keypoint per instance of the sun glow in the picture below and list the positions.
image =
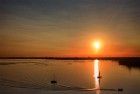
(97, 45)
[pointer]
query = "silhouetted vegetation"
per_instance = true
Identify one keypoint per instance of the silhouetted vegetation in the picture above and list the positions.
(130, 62)
(78, 58)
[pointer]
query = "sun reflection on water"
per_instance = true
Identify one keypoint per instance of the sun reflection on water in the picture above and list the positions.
(96, 75)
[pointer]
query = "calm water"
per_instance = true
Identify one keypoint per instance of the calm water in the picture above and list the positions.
(69, 74)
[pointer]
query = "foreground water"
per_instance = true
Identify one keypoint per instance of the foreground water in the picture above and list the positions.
(72, 76)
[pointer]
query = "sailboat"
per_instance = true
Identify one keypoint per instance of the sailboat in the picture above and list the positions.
(99, 76)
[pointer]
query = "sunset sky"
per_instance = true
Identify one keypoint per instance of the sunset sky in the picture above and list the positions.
(69, 27)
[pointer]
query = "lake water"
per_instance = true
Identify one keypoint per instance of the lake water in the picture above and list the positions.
(71, 75)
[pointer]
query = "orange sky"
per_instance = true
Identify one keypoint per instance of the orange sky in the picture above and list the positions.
(68, 28)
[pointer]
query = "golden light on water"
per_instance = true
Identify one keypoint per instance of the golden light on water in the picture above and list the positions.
(96, 74)
(96, 68)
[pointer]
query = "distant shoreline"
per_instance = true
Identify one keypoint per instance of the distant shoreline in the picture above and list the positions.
(126, 61)
(76, 58)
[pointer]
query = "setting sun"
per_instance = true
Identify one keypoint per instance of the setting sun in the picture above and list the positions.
(97, 45)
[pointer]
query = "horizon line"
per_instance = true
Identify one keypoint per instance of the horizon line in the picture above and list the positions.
(73, 58)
